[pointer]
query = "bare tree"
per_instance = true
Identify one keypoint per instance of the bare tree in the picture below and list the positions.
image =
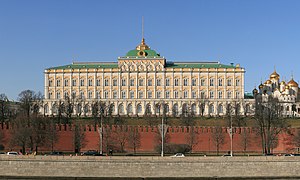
(51, 136)
(245, 140)
(4, 107)
(269, 122)
(218, 138)
(78, 137)
(30, 102)
(108, 138)
(192, 138)
(121, 136)
(21, 132)
(134, 139)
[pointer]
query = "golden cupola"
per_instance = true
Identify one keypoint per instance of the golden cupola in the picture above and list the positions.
(292, 83)
(274, 75)
(268, 81)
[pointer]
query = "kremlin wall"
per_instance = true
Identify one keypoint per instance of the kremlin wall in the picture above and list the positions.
(204, 142)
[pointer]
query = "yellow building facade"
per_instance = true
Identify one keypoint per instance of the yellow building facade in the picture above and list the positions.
(143, 80)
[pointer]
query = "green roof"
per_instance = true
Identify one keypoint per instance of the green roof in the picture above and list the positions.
(87, 66)
(197, 65)
(149, 53)
(105, 65)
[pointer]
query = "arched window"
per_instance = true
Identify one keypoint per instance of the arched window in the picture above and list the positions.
(86, 108)
(184, 109)
(148, 109)
(46, 109)
(121, 109)
(167, 109)
(220, 108)
(194, 109)
(139, 108)
(129, 109)
(211, 109)
(175, 109)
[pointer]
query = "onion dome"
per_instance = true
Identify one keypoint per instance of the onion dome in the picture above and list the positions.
(268, 81)
(274, 75)
(292, 83)
(255, 91)
(282, 83)
(287, 87)
(260, 86)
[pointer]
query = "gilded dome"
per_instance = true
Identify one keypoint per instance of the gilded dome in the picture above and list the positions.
(260, 86)
(274, 75)
(282, 82)
(287, 87)
(268, 81)
(255, 91)
(292, 83)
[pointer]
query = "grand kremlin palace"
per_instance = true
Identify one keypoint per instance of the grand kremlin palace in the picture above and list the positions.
(143, 80)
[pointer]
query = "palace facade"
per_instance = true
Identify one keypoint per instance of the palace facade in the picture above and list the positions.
(142, 80)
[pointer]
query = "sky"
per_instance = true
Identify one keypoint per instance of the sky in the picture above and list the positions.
(37, 34)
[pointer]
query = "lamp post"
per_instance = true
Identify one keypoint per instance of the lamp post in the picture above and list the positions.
(231, 151)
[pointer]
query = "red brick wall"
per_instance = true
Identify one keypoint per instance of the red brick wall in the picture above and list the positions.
(150, 138)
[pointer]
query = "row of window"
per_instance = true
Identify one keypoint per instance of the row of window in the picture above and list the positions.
(141, 95)
(141, 82)
(129, 108)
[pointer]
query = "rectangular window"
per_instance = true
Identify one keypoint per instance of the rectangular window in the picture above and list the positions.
(211, 82)
(176, 94)
(202, 82)
(194, 94)
(115, 95)
(50, 83)
(90, 95)
(97, 94)
(105, 94)
(49, 95)
(123, 82)
(176, 82)
(66, 83)
(185, 94)
(229, 82)
(58, 95)
(141, 82)
(167, 82)
(158, 82)
(237, 82)
(220, 82)
(58, 83)
(115, 82)
(194, 82)
(90, 82)
(81, 82)
(106, 83)
(158, 94)
(123, 94)
(211, 94)
(237, 94)
(202, 94)
(149, 94)
(131, 94)
(220, 94)
(74, 83)
(167, 94)
(229, 94)
(81, 94)
(66, 94)
(185, 82)
(131, 82)
(149, 82)
(141, 95)
(97, 82)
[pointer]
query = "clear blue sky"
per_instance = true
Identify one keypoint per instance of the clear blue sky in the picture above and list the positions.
(258, 34)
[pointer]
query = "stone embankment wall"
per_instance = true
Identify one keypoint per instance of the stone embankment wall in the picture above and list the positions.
(150, 137)
(50, 166)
